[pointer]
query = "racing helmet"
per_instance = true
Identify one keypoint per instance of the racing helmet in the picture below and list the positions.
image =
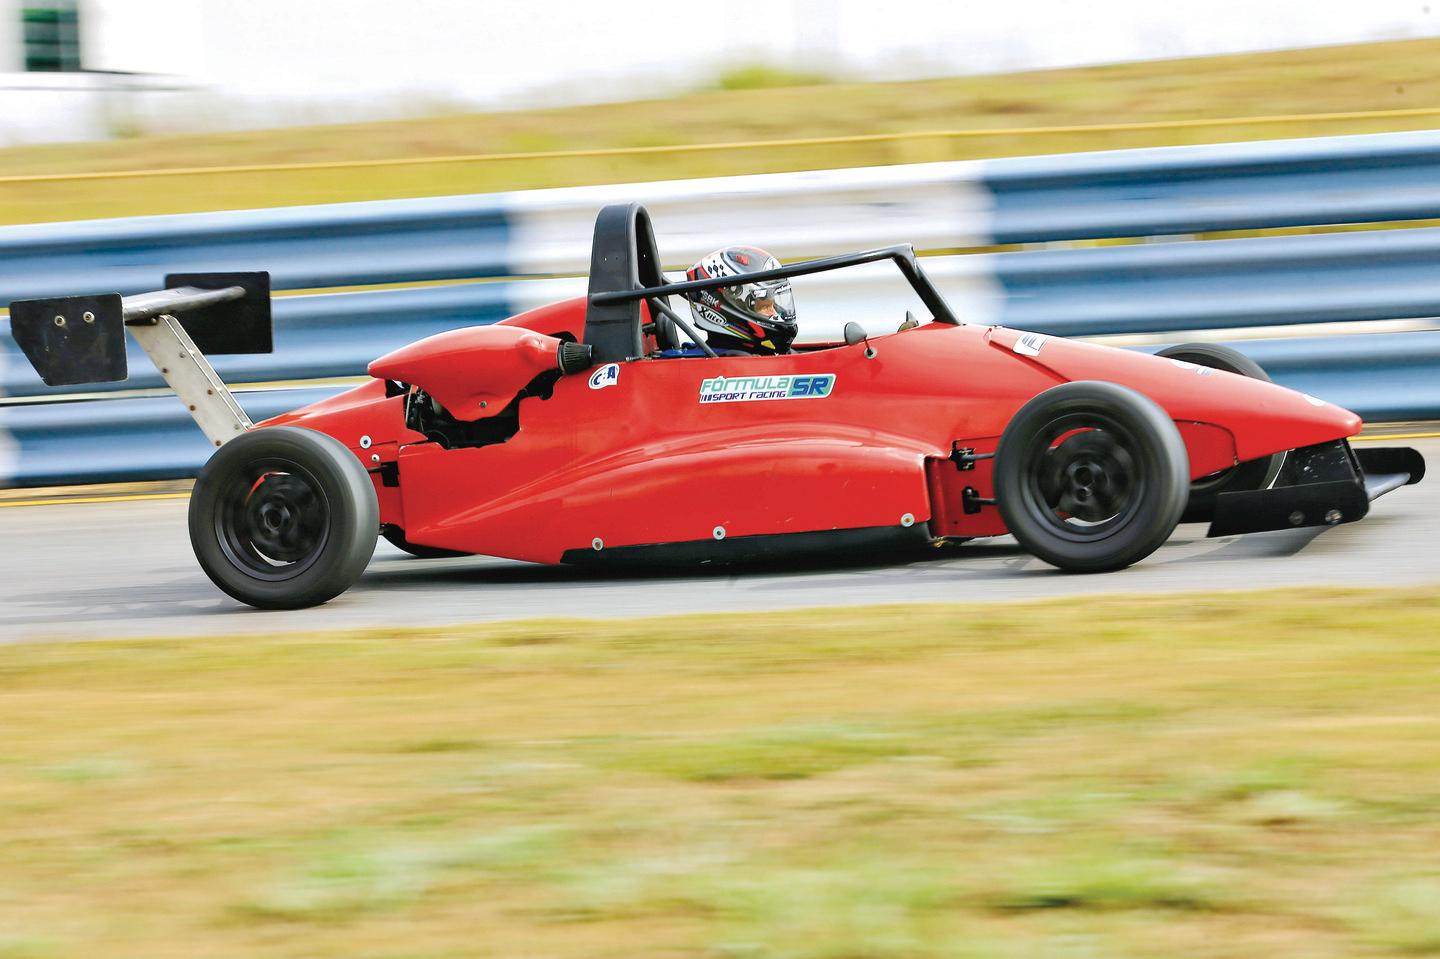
(752, 317)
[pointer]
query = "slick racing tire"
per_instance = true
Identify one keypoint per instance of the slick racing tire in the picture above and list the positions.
(1252, 474)
(396, 538)
(283, 518)
(1091, 476)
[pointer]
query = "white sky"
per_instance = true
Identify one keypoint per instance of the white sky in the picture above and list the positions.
(503, 53)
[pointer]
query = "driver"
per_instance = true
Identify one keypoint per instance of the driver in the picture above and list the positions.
(753, 318)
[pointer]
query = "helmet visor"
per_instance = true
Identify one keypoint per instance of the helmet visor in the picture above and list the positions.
(771, 302)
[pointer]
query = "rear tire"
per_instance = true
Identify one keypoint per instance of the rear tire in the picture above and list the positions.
(1091, 476)
(283, 518)
(1252, 474)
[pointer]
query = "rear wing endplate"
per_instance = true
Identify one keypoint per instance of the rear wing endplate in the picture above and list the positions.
(72, 340)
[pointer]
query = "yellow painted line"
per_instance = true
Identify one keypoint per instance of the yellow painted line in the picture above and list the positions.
(1374, 437)
(974, 133)
(151, 392)
(301, 384)
(66, 500)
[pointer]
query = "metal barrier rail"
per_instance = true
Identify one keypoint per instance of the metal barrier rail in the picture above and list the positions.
(1224, 284)
(1392, 176)
(1146, 287)
(120, 440)
(1228, 186)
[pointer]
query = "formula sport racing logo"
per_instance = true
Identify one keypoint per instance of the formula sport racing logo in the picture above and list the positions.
(744, 389)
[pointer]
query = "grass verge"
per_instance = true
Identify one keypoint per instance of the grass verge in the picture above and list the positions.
(1225, 775)
(1365, 77)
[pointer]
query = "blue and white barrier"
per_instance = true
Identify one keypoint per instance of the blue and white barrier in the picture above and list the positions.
(1225, 186)
(501, 252)
(145, 438)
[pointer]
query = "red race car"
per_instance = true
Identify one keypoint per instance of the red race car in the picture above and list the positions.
(573, 433)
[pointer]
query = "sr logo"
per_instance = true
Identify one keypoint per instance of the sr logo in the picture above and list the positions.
(607, 375)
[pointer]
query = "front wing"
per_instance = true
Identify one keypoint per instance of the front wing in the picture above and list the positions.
(1321, 485)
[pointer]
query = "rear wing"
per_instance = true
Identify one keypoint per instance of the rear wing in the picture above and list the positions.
(74, 340)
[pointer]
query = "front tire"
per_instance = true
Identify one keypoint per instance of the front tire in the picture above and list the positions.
(283, 518)
(1091, 476)
(1255, 474)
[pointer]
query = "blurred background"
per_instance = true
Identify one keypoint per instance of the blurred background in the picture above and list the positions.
(164, 84)
(131, 67)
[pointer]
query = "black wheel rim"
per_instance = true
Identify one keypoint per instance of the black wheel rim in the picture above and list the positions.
(1082, 476)
(272, 519)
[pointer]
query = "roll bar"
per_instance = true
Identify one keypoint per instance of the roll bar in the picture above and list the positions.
(625, 271)
(903, 255)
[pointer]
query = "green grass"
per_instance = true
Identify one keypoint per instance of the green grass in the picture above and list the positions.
(1218, 776)
(1403, 915)
(746, 104)
(763, 77)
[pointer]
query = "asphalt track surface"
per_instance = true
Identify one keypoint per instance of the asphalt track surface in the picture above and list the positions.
(125, 569)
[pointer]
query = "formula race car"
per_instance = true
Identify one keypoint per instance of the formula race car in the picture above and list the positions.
(574, 433)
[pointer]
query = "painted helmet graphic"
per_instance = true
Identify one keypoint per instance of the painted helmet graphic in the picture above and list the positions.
(753, 317)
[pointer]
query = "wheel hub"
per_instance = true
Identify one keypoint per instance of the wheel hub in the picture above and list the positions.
(1089, 477)
(282, 518)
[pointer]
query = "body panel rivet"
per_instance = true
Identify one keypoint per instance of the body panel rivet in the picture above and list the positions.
(1333, 517)
(365, 442)
(597, 544)
(907, 520)
(718, 532)
(59, 321)
(1296, 518)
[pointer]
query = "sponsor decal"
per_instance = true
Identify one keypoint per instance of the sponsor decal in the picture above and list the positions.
(743, 389)
(607, 375)
(1029, 344)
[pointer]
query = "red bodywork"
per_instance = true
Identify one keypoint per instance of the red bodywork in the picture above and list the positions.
(638, 459)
